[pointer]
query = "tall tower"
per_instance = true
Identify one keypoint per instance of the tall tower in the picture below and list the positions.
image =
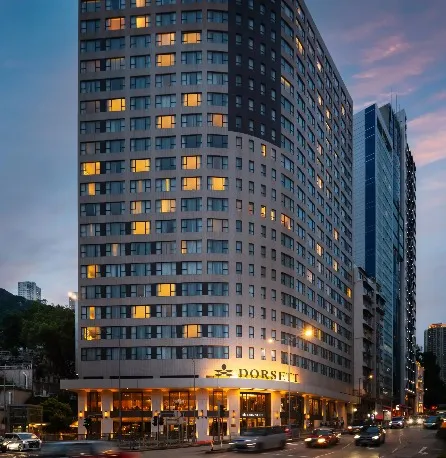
(384, 227)
(29, 290)
(215, 215)
(435, 342)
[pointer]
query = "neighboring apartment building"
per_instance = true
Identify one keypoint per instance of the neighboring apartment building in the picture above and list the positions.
(29, 290)
(419, 388)
(435, 342)
(368, 324)
(385, 233)
(215, 216)
(72, 300)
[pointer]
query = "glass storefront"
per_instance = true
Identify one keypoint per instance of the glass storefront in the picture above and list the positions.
(179, 400)
(255, 410)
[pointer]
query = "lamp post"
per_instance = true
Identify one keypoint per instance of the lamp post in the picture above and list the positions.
(306, 333)
(369, 377)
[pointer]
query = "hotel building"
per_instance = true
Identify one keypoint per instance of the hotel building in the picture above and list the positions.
(215, 217)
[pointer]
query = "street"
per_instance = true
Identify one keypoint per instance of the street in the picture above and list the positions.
(403, 443)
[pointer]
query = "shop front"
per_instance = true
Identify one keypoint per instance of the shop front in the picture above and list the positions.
(255, 410)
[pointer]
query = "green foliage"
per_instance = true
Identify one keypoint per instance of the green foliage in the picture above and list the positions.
(46, 329)
(58, 415)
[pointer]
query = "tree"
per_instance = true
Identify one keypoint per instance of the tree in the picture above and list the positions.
(58, 415)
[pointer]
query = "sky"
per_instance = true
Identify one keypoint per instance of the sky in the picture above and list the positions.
(383, 49)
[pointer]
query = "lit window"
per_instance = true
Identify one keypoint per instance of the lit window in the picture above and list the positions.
(273, 215)
(192, 331)
(166, 206)
(141, 227)
(136, 207)
(285, 221)
(91, 168)
(165, 39)
(165, 122)
(263, 150)
(140, 22)
(191, 99)
(217, 120)
(91, 313)
(139, 311)
(165, 60)
(116, 23)
(263, 211)
(92, 271)
(217, 183)
(191, 37)
(319, 250)
(191, 162)
(348, 292)
(335, 265)
(92, 333)
(91, 189)
(140, 3)
(140, 165)
(335, 234)
(320, 183)
(165, 289)
(116, 105)
(191, 183)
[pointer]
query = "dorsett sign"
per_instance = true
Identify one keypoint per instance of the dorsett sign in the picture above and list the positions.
(255, 374)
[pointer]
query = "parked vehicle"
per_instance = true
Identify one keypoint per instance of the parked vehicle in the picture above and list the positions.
(292, 432)
(20, 441)
(397, 422)
(81, 449)
(371, 435)
(258, 439)
(322, 437)
(433, 422)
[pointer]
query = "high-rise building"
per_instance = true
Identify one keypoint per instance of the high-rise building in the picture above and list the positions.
(435, 342)
(29, 290)
(384, 228)
(215, 216)
(72, 300)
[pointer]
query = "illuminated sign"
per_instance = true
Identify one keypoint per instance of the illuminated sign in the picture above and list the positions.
(256, 374)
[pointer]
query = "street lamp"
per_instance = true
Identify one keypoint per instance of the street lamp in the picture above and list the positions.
(307, 333)
(369, 377)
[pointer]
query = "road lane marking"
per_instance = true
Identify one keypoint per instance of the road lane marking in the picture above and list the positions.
(421, 452)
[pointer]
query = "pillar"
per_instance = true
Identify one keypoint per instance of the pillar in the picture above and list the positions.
(81, 407)
(306, 411)
(324, 404)
(342, 412)
(233, 412)
(276, 405)
(202, 420)
(107, 408)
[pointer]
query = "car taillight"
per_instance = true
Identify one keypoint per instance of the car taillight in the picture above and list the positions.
(129, 455)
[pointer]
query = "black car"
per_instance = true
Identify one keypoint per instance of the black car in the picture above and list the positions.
(356, 427)
(370, 435)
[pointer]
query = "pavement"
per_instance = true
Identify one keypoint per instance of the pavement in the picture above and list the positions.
(400, 443)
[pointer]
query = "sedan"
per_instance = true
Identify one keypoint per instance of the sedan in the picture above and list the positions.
(397, 422)
(372, 435)
(20, 441)
(433, 422)
(322, 437)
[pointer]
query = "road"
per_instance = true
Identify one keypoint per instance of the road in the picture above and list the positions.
(404, 443)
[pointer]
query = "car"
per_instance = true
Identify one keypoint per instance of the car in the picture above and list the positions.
(81, 449)
(259, 439)
(416, 420)
(397, 422)
(433, 422)
(371, 435)
(292, 432)
(20, 441)
(322, 437)
(356, 427)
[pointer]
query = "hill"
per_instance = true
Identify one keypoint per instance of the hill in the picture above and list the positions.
(10, 304)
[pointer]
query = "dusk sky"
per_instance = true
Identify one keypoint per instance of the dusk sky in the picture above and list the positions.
(381, 48)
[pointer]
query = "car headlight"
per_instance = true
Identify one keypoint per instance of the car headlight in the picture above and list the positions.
(419, 421)
(349, 427)
(375, 438)
(308, 439)
(321, 440)
(356, 436)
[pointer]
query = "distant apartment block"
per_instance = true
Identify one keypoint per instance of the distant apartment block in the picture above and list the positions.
(29, 290)
(435, 342)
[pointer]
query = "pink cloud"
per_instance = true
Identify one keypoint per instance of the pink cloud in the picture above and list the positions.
(387, 47)
(367, 30)
(427, 137)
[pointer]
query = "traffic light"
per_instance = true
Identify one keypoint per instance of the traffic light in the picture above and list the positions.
(221, 411)
(87, 423)
(161, 421)
(155, 420)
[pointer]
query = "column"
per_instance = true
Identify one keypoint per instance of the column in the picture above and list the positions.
(324, 404)
(276, 404)
(81, 407)
(306, 411)
(342, 413)
(234, 413)
(107, 407)
(202, 420)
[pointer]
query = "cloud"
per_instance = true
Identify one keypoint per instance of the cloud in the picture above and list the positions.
(366, 30)
(427, 137)
(387, 47)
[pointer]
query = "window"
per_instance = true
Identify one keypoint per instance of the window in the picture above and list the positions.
(191, 99)
(217, 141)
(165, 60)
(140, 61)
(191, 162)
(191, 183)
(220, 17)
(191, 17)
(191, 57)
(217, 120)
(191, 120)
(140, 41)
(116, 23)
(140, 227)
(238, 352)
(139, 22)
(163, 19)
(165, 122)
(251, 352)
(139, 3)
(165, 39)
(217, 183)
(140, 165)
(191, 37)
(165, 206)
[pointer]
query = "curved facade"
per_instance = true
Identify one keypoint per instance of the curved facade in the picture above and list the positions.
(215, 216)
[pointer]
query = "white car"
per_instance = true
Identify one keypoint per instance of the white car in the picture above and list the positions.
(20, 441)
